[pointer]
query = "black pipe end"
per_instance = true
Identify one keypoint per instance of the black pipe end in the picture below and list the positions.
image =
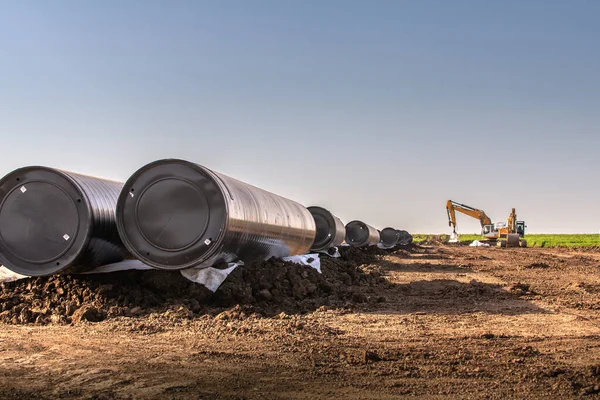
(325, 228)
(357, 234)
(389, 237)
(45, 221)
(171, 214)
(405, 238)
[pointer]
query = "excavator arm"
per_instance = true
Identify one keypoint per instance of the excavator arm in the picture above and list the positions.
(512, 221)
(453, 206)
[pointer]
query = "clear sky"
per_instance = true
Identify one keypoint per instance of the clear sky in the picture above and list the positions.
(377, 110)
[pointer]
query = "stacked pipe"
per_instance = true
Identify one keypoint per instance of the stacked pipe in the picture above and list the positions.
(330, 230)
(174, 214)
(390, 237)
(405, 238)
(57, 221)
(359, 234)
(170, 214)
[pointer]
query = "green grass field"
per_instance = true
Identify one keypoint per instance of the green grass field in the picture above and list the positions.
(535, 240)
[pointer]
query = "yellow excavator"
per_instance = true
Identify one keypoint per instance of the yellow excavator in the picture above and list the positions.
(502, 234)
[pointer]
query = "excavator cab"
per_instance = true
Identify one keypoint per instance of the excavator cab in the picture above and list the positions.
(489, 231)
(521, 228)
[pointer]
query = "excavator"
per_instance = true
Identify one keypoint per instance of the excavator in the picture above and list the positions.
(503, 234)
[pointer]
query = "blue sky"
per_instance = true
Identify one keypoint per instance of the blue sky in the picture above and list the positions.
(377, 110)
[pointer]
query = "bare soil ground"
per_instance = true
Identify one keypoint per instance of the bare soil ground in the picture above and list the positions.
(428, 322)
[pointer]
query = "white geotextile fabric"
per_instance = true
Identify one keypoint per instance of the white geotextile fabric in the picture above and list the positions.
(477, 243)
(6, 275)
(333, 252)
(120, 266)
(210, 277)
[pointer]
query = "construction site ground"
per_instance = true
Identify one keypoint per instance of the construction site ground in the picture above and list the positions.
(431, 321)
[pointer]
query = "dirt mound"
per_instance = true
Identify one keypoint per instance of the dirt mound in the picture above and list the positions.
(66, 298)
(270, 287)
(276, 285)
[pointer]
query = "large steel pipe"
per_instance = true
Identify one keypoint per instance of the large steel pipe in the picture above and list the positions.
(390, 237)
(57, 221)
(405, 238)
(359, 234)
(331, 231)
(174, 214)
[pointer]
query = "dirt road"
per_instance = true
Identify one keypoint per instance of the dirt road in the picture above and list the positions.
(432, 322)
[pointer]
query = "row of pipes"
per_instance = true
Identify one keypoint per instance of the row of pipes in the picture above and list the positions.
(170, 214)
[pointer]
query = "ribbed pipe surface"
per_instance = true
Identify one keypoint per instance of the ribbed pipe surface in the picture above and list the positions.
(359, 234)
(174, 214)
(57, 221)
(331, 231)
